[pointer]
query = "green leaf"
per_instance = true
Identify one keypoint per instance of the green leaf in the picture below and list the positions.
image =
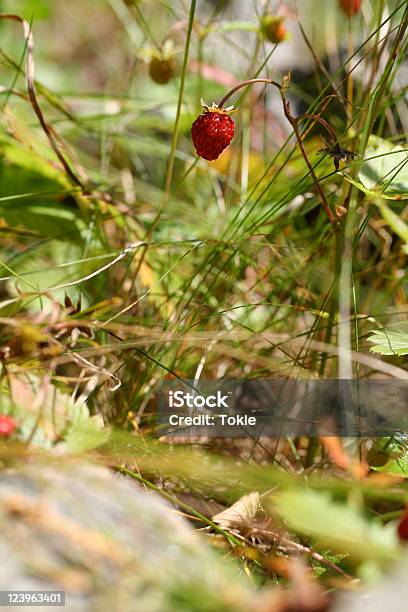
(85, 433)
(387, 172)
(397, 465)
(389, 342)
(341, 527)
(44, 267)
(32, 161)
(371, 192)
(35, 193)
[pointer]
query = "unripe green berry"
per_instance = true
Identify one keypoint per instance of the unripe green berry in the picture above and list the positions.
(273, 28)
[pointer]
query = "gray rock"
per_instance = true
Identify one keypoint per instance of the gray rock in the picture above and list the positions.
(109, 544)
(390, 594)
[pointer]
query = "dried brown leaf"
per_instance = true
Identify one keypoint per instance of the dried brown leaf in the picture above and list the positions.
(240, 515)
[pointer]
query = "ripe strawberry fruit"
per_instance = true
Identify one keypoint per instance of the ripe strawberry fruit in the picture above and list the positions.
(350, 7)
(403, 527)
(273, 28)
(7, 425)
(212, 132)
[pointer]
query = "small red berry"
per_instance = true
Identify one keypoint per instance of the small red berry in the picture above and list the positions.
(7, 425)
(273, 28)
(212, 132)
(350, 7)
(403, 527)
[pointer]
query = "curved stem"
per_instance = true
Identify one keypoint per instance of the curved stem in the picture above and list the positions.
(294, 123)
(322, 122)
(244, 84)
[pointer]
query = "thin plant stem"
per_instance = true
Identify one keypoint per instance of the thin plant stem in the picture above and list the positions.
(294, 123)
(245, 84)
(170, 166)
(322, 122)
(350, 75)
(48, 130)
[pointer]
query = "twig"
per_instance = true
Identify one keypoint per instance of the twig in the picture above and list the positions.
(286, 545)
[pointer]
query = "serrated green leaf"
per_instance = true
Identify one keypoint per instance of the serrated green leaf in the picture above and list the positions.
(389, 342)
(387, 172)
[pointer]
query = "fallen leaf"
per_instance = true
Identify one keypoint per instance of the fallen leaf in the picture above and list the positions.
(240, 515)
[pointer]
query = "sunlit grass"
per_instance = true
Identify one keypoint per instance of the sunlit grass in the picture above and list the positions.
(175, 267)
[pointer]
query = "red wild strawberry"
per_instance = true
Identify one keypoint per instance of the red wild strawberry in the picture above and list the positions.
(403, 527)
(7, 425)
(212, 132)
(350, 7)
